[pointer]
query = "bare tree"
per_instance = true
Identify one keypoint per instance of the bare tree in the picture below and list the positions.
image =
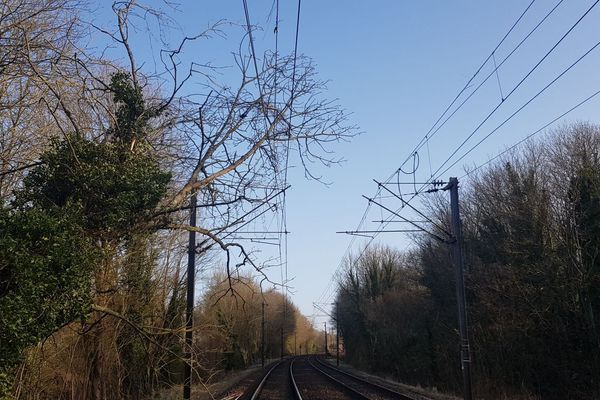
(230, 145)
(233, 144)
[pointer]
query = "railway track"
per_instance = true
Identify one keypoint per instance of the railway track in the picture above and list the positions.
(373, 390)
(309, 378)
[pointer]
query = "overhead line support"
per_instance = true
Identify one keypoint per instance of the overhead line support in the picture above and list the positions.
(465, 351)
(189, 308)
(407, 220)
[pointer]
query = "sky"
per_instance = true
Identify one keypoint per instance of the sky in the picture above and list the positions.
(396, 66)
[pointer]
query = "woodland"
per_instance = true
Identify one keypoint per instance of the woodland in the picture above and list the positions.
(531, 227)
(100, 156)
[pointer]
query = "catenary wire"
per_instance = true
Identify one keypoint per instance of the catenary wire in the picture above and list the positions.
(426, 138)
(526, 138)
(510, 116)
(495, 70)
(421, 143)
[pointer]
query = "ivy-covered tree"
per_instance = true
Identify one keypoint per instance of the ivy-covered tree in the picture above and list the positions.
(116, 183)
(84, 195)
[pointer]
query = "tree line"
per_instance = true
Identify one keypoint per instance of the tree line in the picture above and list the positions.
(531, 226)
(232, 337)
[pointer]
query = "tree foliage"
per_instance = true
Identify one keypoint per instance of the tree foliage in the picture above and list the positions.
(112, 151)
(379, 305)
(45, 269)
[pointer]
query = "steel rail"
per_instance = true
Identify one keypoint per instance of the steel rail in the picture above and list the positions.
(338, 382)
(264, 380)
(364, 381)
(294, 385)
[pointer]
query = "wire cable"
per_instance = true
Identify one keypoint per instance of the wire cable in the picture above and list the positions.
(249, 28)
(405, 202)
(441, 228)
(526, 138)
(494, 71)
(510, 116)
(425, 139)
(287, 152)
(427, 136)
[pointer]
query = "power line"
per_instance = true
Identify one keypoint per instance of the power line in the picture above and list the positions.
(531, 135)
(506, 120)
(516, 112)
(425, 139)
(523, 80)
(287, 153)
(406, 219)
(260, 91)
(495, 70)
(378, 231)
(281, 203)
(441, 228)
(512, 115)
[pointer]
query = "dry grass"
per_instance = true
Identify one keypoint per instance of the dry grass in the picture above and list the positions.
(210, 391)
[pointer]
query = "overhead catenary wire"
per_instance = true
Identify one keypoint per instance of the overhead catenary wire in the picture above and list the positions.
(526, 138)
(437, 172)
(494, 71)
(407, 220)
(260, 88)
(253, 51)
(527, 75)
(437, 175)
(426, 137)
(512, 115)
(280, 203)
(441, 228)
(287, 153)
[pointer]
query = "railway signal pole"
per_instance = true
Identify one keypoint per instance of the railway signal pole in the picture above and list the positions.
(325, 338)
(189, 307)
(281, 342)
(465, 352)
(262, 337)
(337, 337)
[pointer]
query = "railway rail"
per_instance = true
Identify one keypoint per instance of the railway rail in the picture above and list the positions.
(309, 378)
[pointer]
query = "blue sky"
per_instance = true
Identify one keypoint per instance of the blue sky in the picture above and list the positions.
(396, 65)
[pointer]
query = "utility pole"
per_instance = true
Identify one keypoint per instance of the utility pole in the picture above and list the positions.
(325, 338)
(295, 340)
(281, 342)
(262, 337)
(337, 337)
(189, 307)
(465, 353)
(284, 305)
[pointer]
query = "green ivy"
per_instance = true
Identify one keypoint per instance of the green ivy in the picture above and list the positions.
(45, 266)
(83, 193)
(115, 189)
